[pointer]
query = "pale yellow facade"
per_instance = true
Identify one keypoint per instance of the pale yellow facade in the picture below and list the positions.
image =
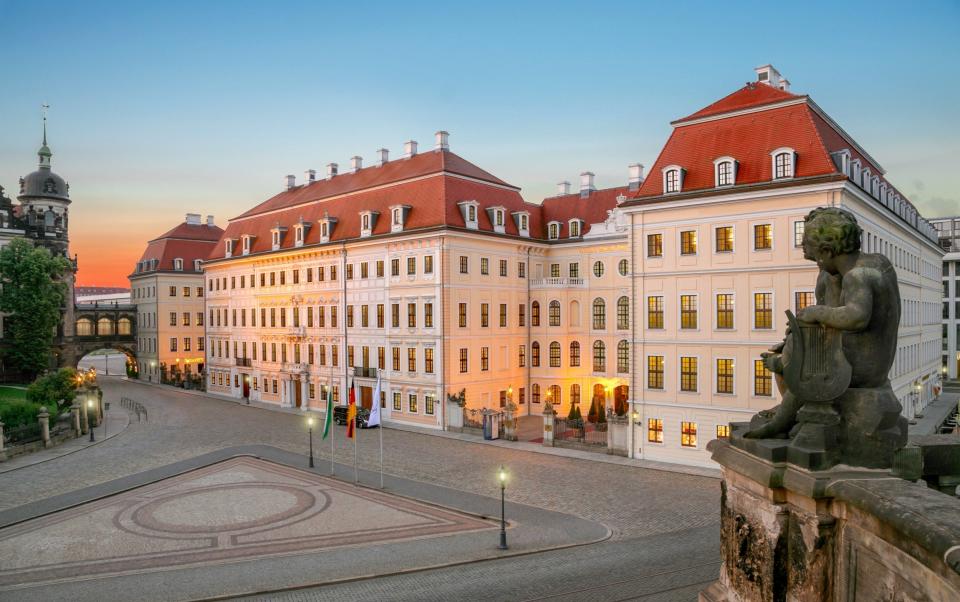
(170, 323)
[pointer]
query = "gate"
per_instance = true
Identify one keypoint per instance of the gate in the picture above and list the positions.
(579, 433)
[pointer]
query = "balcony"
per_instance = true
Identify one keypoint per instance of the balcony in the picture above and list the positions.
(558, 283)
(293, 368)
(244, 362)
(365, 372)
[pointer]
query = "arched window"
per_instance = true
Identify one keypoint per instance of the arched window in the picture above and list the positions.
(105, 327)
(535, 313)
(554, 354)
(672, 179)
(599, 314)
(598, 268)
(623, 267)
(725, 171)
(599, 357)
(574, 354)
(123, 326)
(783, 163)
(554, 313)
(554, 231)
(574, 318)
(623, 357)
(623, 313)
(574, 395)
(553, 394)
(84, 327)
(535, 354)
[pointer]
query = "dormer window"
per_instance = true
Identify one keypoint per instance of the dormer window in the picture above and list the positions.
(469, 211)
(368, 221)
(178, 264)
(276, 236)
(327, 225)
(497, 216)
(196, 264)
(575, 227)
(228, 247)
(300, 230)
(398, 217)
(784, 160)
(246, 242)
(522, 221)
(672, 179)
(865, 179)
(725, 171)
(553, 230)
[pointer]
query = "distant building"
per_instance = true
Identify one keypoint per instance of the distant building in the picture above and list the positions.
(948, 229)
(167, 288)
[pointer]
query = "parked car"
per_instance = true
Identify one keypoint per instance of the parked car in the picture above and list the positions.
(340, 416)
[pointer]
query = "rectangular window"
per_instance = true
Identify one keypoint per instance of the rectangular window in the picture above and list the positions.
(379, 315)
(349, 316)
(428, 404)
(397, 400)
(186, 318)
(503, 268)
(411, 315)
(503, 315)
(522, 356)
(554, 270)
(428, 264)
(463, 360)
(428, 315)
(428, 360)
(762, 237)
(381, 358)
(349, 272)
(798, 228)
(803, 299)
(522, 314)
(688, 374)
(173, 318)
(395, 266)
(574, 270)
(412, 403)
(395, 315)
(464, 265)
(364, 316)
(364, 270)
(763, 310)
(723, 431)
(173, 291)
(395, 356)
(521, 270)
(655, 372)
(688, 242)
(688, 434)
(688, 311)
(724, 375)
(379, 268)
(725, 311)
(411, 266)
(654, 245)
(554, 355)
(484, 359)
(484, 266)
(655, 430)
(725, 239)
(411, 359)
(655, 312)
(462, 315)
(484, 315)
(762, 379)
(173, 343)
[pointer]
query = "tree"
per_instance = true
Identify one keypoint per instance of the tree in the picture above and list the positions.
(56, 389)
(32, 295)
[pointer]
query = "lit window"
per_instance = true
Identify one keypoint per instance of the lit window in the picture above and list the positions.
(623, 313)
(724, 375)
(655, 430)
(574, 354)
(688, 242)
(688, 434)
(803, 299)
(724, 239)
(654, 245)
(599, 356)
(763, 310)
(554, 313)
(655, 372)
(723, 431)
(688, 374)
(554, 354)
(762, 379)
(623, 357)
(725, 311)
(688, 311)
(655, 312)
(762, 237)
(599, 314)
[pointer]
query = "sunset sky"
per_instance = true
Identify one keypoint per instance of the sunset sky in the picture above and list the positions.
(159, 109)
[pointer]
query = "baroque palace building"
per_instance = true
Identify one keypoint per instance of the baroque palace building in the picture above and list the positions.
(167, 288)
(660, 294)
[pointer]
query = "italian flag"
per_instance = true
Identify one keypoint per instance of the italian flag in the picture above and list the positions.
(352, 413)
(329, 418)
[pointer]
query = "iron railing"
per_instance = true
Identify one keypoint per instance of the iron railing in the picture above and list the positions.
(580, 431)
(20, 435)
(135, 407)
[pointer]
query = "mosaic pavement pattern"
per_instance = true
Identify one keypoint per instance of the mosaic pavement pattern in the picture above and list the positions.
(238, 509)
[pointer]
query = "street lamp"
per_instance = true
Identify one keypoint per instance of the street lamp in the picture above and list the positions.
(310, 435)
(247, 396)
(89, 425)
(502, 477)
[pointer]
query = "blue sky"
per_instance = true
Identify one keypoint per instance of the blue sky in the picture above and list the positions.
(162, 108)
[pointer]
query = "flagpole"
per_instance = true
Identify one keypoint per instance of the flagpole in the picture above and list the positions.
(332, 430)
(356, 433)
(380, 425)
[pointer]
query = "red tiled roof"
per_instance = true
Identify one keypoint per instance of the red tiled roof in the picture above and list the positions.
(751, 95)
(747, 138)
(419, 165)
(591, 209)
(185, 241)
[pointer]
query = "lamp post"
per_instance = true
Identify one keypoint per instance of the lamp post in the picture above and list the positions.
(247, 391)
(502, 476)
(89, 425)
(310, 435)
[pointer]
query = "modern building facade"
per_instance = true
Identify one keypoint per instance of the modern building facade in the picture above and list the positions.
(715, 235)
(167, 289)
(948, 229)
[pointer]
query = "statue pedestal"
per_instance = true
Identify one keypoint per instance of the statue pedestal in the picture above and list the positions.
(788, 533)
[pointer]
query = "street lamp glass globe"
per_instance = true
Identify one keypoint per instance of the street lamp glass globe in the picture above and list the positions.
(502, 475)
(90, 403)
(310, 421)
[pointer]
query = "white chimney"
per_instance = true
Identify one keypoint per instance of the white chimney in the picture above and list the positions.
(409, 148)
(193, 219)
(356, 163)
(384, 155)
(636, 176)
(210, 221)
(563, 188)
(586, 183)
(331, 170)
(310, 176)
(443, 141)
(768, 74)
(291, 181)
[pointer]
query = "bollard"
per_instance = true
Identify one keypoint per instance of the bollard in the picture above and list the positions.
(3, 454)
(548, 423)
(44, 418)
(83, 420)
(75, 410)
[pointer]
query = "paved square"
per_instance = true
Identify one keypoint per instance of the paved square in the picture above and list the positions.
(237, 509)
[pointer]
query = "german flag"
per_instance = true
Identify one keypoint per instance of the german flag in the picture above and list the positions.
(352, 413)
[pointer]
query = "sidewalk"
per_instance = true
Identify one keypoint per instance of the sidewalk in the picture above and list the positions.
(117, 422)
(518, 445)
(935, 413)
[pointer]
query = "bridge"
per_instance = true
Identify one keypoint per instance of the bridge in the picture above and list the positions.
(98, 325)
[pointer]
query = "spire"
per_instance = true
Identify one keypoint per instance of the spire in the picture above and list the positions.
(44, 152)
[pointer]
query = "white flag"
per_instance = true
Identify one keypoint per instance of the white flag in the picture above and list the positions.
(374, 419)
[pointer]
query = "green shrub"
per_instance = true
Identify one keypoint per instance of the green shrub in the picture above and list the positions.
(55, 390)
(16, 413)
(594, 411)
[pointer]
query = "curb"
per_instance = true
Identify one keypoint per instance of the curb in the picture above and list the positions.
(111, 435)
